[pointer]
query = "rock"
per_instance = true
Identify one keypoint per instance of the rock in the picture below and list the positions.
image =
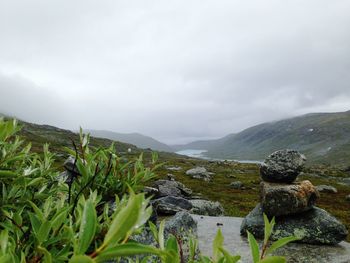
(171, 177)
(315, 226)
(236, 185)
(64, 176)
(283, 199)
(282, 166)
(347, 198)
(151, 191)
(174, 168)
(182, 222)
(199, 173)
(171, 188)
(205, 207)
(327, 189)
(170, 205)
(70, 166)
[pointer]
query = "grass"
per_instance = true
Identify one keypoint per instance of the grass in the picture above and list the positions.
(236, 202)
(239, 202)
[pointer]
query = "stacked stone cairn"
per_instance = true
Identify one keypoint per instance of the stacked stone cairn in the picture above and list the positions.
(292, 203)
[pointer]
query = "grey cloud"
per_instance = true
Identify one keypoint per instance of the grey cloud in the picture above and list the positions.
(175, 70)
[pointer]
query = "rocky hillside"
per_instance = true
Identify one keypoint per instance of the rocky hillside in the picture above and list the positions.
(323, 137)
(137, 139)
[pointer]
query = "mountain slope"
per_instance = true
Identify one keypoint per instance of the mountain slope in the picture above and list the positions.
(202, 144)
(137, 139)
(323, 137)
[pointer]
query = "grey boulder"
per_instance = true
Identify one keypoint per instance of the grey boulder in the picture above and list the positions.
(282, 166)
(205, 207)
(170, 205)
(199, 173)
(182, 222)
(284, 199)
(315, 226)
(171, 188)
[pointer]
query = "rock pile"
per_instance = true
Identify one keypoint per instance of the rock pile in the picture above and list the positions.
(291, 203)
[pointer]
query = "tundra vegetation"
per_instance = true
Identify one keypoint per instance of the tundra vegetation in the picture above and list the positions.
(47, 216)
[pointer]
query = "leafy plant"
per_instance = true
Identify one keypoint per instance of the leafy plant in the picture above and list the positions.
(266, 249)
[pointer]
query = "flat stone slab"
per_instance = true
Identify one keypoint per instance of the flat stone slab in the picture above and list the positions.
(299, 253)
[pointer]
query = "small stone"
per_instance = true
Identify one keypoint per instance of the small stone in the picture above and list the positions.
(326, 189)
(236, 185)
(347, 198)
(174, 168)
(151, 191)
(282, 166)
(284, 199)
(315, 226)
(171, 177)
(205, 207)
(170, 205)
(70, 165)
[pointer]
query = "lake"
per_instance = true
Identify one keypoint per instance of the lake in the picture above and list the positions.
(200, 154)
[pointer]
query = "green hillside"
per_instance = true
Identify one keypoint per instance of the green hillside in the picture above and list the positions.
(323, 137)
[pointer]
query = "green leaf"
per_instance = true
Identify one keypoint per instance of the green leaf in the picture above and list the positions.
(81, 259)
(7, 174)
(125, 250)
(44, 231)
(4, 235)
(87, 227)
(254, 247)
(47, 255)
(7, 259)
(228, 257)
(217, 244)
(205, 259)
(171, 244)
(125, 221)
(35, 222)
(161, 234)
(59, 218)
(280, 243)
(268, 228)
(37, 211)
(273, 259)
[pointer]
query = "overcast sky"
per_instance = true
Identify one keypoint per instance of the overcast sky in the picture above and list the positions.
(176, 70)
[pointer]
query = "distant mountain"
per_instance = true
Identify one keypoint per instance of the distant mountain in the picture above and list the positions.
(137, 139)
(323, 137)
(202, 144)
(59, 138)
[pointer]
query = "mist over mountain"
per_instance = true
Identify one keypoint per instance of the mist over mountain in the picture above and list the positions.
(137, 139)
